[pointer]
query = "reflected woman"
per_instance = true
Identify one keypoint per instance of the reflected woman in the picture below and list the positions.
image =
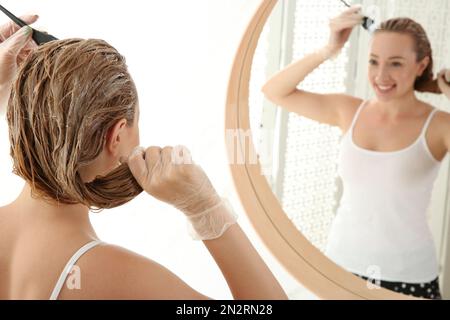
(391, 151)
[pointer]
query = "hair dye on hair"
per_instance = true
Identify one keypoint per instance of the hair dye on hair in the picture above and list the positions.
(66, 96)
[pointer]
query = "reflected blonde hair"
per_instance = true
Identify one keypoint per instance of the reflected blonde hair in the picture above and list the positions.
(66, 96)
(422, 47)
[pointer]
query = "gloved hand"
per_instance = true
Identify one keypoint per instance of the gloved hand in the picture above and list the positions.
(444, 82)
(341, 28)
(169, 175)
(15, 46)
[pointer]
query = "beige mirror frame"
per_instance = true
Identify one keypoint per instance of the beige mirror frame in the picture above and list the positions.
(301, 259)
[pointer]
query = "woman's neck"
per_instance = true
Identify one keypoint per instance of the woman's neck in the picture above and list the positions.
(73, 217)
(399, 106)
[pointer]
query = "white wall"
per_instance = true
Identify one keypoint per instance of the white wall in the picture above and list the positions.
(180, 54)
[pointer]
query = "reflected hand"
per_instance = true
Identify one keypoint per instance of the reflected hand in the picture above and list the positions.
(341, 28)
(169, 175)
(15, 45)
(444, 82)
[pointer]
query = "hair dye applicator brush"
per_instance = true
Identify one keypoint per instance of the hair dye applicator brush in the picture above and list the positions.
(38, 36)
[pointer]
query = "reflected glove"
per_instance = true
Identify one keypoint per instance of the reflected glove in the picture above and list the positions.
(444, 82)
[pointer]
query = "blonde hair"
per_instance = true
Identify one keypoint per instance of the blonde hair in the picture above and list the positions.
(67, 95)
(422, 47)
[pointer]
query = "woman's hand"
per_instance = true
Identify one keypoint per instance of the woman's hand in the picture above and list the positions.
(341, 27)
(444, 82)
(169, 175)
(15, 45)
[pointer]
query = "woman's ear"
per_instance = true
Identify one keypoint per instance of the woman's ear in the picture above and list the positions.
(113, 136)
(423, 65)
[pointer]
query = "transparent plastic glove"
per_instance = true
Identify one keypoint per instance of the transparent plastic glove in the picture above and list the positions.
(213, 222)
(15, 45)
(340, 29)
(170, 175)
(444, 82)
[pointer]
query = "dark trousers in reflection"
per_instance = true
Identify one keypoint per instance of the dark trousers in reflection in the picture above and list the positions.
(427, 290)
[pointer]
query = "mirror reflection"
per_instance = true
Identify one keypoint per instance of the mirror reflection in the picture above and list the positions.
(351, 126)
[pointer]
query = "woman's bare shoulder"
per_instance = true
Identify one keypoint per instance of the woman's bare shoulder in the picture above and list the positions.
(438, 134)
(348, 111)
(443, 114)
(441, 118)
(352, 104)
(441, 121)
(109, 271)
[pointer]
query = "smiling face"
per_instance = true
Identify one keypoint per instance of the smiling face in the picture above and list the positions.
(393, 65)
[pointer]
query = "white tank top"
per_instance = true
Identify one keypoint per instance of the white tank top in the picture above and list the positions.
(381, 229)
(69, 266)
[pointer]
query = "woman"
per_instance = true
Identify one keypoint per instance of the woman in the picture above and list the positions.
(390, 153)
(73, 125)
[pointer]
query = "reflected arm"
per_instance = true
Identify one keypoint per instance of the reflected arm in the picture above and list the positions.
(282, 90)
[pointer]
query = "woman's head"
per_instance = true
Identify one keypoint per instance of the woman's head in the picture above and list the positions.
(401, 59)
(72, 115)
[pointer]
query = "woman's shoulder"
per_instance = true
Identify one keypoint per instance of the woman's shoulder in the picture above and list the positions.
(441, 116)
(108, 271)
(427, 111)
(439, 131)
(348, 110)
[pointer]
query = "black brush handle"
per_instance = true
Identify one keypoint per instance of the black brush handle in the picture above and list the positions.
(18, 21)
(38, 36)
(345, 3)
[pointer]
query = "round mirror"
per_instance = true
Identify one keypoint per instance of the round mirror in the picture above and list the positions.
(291, 170)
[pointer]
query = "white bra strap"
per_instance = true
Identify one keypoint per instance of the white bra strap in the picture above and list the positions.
(69, 266)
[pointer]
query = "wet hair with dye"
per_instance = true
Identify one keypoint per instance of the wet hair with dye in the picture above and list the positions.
(422, 47)
(66, 96)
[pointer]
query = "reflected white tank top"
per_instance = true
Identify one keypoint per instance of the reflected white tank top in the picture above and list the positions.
(381, 229)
